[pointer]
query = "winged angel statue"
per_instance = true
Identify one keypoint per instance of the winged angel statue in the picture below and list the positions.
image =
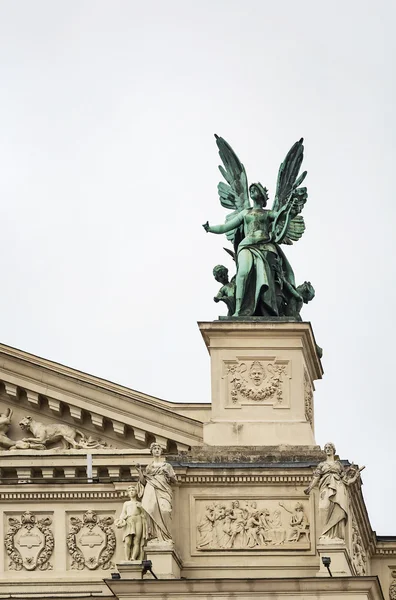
(264, 284)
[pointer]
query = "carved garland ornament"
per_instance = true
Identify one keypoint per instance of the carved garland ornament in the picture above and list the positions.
(91, 541)
(29, 543)
(392, 587)
(392, 591)
(358, 554)
(259, 383)
(308, 399)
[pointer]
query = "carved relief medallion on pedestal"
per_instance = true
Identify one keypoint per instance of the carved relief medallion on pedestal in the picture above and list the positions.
(262, 381)
(252, 524)
(91, 541)
(29, 542)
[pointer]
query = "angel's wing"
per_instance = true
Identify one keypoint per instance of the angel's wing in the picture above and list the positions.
(289, 201)
(235, 193)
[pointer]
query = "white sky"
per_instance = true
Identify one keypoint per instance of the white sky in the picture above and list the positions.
(109, 167)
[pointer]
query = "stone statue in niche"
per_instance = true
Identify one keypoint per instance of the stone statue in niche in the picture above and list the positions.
(154, 487)
(333, 479)
(132, 519)
(257, 382)
(251, 525)
(29, 542)
(91, 541)
(5, 422)
(48, 434)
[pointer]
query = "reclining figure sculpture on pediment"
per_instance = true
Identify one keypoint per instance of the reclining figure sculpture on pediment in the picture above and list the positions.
(45, 435)
(5, 422)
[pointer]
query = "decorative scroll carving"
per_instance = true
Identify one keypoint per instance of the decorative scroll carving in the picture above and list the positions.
(91, 541)
(48, 434)
(308, 399)
(29, 542)
(257, 381)
(392, 590)
(251, 525)
(358, 554)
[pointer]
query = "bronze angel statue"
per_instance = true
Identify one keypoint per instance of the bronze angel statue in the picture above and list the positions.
(264, 283)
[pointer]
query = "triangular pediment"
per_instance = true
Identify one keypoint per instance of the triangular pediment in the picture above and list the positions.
(51, 394)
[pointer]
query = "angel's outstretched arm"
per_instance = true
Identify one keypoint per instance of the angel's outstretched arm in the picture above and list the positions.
(229, 226)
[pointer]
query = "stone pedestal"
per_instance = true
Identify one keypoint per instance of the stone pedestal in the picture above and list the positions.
(340, 562)
(130, 569)
(166, 562)
(262, 382)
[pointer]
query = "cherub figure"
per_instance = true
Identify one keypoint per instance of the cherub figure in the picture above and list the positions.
(132, 519)
(296, 297)
(226, 293)
(257, 232)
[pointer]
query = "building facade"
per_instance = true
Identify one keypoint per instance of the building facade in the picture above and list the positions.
(230, 499)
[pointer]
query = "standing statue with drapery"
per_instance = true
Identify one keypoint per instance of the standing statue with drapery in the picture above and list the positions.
(264, 284)
(154, 488)
(333, 480)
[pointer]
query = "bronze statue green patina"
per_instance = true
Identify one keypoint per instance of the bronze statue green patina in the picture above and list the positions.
(226, 293)
(264, 282)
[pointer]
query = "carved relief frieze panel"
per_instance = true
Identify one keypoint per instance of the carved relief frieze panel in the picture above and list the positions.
(252, 524)
(91, 540)
(29, 541)
(257, 381)
(308, 398)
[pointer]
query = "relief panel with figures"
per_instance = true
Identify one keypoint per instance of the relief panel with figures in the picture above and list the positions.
(261, 524)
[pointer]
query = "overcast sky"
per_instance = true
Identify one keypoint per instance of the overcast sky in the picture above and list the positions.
(109, 168)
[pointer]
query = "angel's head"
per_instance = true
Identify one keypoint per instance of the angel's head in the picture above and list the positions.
(258, 194)
(220, 273)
